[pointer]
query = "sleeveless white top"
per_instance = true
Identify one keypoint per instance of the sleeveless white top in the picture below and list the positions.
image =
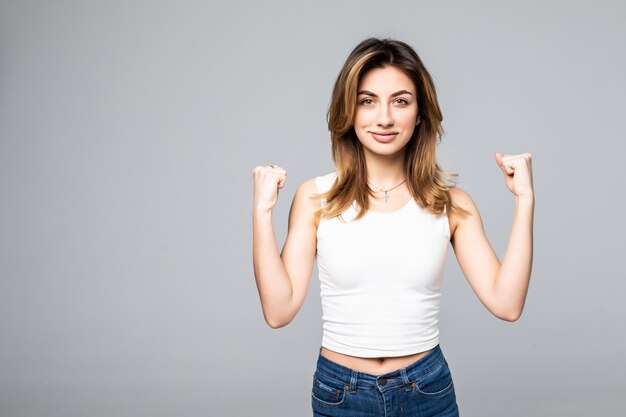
(380, 279)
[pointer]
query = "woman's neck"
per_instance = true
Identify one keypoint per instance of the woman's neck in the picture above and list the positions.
(385, 171)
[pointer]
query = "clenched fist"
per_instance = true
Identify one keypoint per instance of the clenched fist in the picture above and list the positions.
(268, 180)
(518, 175)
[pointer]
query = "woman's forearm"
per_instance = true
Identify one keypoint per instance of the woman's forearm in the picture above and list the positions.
(272, 280)
(511, 285)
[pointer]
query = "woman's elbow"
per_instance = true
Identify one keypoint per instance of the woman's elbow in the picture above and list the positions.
(277, 322)
(509, 315)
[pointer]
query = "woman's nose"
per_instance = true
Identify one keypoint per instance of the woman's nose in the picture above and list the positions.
(385, 117)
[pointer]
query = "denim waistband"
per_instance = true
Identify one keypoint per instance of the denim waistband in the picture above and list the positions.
(402, 376)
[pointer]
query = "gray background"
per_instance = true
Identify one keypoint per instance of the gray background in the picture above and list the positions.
(128, 135)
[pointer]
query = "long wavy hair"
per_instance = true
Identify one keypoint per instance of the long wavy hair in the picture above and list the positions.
(426, 180)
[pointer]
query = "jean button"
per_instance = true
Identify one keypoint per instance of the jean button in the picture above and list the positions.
(382, 381)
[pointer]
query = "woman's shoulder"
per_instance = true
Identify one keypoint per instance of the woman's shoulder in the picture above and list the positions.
(307, 188)
(306, 201)
(461, 198)
(316, 185)
(308, 192)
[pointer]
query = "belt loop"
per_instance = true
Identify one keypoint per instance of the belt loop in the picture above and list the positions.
(405, 379)
(353, 381)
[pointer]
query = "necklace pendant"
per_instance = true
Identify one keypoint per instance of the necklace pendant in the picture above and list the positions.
(386, 191)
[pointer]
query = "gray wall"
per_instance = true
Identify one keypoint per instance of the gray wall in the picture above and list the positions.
(128, 135)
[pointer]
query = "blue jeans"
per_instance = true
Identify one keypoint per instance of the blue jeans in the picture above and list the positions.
(423, 388)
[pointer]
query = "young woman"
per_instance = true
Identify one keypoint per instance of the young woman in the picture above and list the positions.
(379, 228)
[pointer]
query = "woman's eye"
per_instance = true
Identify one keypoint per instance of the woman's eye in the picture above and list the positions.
(366, 101)
(402, 101)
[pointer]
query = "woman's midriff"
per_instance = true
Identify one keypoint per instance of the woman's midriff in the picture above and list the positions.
(374, 366)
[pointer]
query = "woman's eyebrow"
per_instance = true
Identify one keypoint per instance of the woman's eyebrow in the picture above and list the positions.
(397, 93)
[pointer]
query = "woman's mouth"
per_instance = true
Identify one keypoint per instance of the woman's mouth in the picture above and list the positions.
(384, 137)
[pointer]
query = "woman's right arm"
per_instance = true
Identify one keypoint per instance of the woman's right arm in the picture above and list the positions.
(283, 280)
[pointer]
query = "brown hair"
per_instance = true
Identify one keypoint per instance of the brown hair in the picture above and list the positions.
(425, 179)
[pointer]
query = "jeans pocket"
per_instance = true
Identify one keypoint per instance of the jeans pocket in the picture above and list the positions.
(435, 384)
(327, 391)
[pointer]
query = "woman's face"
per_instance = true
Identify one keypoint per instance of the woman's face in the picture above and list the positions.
(386, 111)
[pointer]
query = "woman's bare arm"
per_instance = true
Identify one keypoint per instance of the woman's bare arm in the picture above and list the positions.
(501, 287)
(283, 280)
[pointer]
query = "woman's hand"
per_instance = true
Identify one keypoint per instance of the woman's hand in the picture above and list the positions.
(517, 171)
(267, 181)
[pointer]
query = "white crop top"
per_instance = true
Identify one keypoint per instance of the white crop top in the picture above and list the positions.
(380, 279)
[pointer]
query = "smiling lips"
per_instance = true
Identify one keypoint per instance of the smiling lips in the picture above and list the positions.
(384, 137)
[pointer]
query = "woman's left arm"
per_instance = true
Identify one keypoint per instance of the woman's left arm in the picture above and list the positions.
(501, 287)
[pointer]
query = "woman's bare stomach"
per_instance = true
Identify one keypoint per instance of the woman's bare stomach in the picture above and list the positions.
(374, 366)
